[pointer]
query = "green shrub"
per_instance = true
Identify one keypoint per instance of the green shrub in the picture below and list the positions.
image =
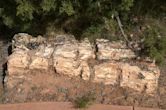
(92, 33)
(107, 30)
(84, 101)
(154, 45)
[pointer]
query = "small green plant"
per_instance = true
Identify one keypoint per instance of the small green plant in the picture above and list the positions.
(34, 88)
(84, 101)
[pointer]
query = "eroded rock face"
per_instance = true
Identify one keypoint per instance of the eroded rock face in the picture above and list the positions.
(113, 50)
(138, 79)
(107, 72)
(68, 67)
(102, 62)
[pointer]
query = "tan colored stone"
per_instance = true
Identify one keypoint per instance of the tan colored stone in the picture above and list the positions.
(85, 50)
(67, 66)
(107, 73)
(19, 59)
(39, 63)
(152, 87)
(140, 80)
(113, 50)
(66, 51)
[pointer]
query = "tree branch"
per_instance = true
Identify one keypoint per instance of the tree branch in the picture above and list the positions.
(121, 29)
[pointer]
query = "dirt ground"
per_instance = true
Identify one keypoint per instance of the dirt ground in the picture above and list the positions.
(65, 106)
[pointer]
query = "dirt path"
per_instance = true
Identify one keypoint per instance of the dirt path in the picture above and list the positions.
(64, 106)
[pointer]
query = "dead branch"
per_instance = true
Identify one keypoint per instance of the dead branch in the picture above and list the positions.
(121, 29)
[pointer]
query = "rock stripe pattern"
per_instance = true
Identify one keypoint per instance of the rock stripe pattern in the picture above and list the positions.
(110, 63)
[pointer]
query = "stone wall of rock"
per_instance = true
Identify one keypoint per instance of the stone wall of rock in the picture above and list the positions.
(103, 62)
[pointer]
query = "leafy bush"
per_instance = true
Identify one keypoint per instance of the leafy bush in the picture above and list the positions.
(108, 30)
(154, 45)
(92, 33)
(84, 101)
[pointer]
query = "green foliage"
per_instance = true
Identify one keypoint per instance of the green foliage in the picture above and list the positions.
(149, 7)
(8, 21)
(93, 32)
(48, 5)
(107, 30)
(41, 12)
(67, 8)
(84, 101)
(126, 5)
(154, 45)
(25, 9)
(1, 11)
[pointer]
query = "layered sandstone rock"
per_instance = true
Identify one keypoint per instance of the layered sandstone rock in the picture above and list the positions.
(113, 50)
(100, 63)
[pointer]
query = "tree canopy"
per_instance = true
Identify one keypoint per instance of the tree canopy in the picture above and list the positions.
(24, 14)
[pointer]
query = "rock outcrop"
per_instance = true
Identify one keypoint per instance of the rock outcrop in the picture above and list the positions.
(110, 63)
